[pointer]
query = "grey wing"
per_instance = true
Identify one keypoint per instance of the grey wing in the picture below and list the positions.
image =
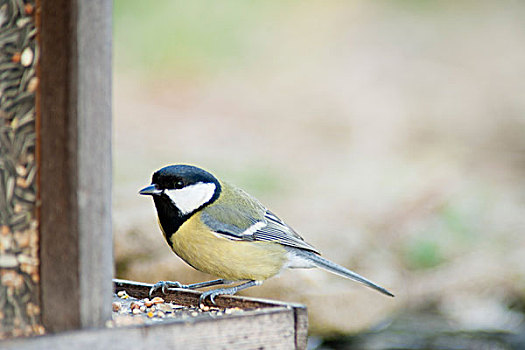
(266, 227)
(276, 230)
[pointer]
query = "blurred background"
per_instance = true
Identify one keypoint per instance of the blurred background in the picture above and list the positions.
(390, 135)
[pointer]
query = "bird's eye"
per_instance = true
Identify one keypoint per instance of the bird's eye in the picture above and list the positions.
(179, 184)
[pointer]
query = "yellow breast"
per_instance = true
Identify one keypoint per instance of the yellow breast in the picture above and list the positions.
(225, 258)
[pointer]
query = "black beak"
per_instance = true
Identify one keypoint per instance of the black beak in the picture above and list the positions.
(150, 190)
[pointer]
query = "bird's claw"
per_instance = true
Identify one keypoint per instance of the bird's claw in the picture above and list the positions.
(211, 294)
(165, 286)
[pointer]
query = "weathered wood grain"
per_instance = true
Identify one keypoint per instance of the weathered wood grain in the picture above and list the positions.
(268, 329)
(75, 163)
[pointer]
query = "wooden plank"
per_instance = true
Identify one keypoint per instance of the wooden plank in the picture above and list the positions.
(59, 247)
(75, 163)
(94, 38)
(301, 327)
(268, 329)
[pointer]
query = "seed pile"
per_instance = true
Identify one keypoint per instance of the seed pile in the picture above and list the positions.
(128, 310)
(19, 274)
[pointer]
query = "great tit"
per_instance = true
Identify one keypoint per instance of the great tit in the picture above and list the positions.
(219, 229)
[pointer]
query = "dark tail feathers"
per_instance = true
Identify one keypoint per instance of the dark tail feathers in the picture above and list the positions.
(332, 267)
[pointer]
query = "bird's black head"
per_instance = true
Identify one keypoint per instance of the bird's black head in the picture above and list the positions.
(178, 192)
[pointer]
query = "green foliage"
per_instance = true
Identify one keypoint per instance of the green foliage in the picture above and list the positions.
(451, 231)
(186, 37)
(456, 222)
(423, 253)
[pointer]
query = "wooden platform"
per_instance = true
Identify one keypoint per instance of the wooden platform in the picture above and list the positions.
(261, 324)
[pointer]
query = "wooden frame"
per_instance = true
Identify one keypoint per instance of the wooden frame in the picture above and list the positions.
(271, 325)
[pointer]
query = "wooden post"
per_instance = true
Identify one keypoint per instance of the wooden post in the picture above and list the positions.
(75, 163)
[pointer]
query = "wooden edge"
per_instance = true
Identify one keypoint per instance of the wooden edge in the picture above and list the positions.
(59, 248)
(264, 328)
(301, 327)
(191, 297)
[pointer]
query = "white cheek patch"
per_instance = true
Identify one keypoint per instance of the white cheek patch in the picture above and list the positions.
(192, 197)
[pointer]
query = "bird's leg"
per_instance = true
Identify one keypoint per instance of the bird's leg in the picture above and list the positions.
(208, 283)
(165, 286)
(226, 291)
